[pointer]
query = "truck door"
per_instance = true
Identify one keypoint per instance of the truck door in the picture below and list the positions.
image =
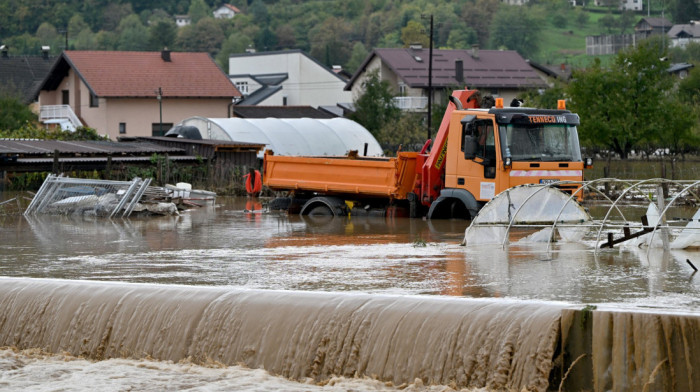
(477, 167)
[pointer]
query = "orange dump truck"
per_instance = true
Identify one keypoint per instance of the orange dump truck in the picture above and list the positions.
(476, 154)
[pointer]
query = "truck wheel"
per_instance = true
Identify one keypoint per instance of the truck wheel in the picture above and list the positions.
(320, 210)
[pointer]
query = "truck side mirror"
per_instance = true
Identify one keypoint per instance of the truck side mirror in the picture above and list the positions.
(470, 146)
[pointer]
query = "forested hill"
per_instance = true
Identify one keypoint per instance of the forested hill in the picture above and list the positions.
(333, 31)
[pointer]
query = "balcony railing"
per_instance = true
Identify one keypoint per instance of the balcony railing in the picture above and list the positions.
(58, 114)
(411, 103)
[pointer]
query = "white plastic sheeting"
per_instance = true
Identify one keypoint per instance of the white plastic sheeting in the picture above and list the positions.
(532, 205)
(293, 136)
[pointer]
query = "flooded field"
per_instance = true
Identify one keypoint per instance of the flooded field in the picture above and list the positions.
(228, 247)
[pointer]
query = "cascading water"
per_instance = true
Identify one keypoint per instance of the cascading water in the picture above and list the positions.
(449, 341)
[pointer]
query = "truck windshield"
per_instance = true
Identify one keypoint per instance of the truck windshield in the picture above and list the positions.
(541, 142)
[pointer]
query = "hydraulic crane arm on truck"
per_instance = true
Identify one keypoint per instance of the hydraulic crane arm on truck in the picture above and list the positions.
(476, 154)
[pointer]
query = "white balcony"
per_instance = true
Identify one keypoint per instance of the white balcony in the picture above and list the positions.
(60, 114)
(411, 104)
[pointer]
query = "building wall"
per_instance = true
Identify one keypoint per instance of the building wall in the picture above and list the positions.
(137, 113)
(308, 83)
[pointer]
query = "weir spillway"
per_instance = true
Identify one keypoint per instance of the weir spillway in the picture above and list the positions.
(492, 343)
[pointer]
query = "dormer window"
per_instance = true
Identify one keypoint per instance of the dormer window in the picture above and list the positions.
(242, 87)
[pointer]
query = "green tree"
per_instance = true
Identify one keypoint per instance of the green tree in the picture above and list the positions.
(76, 24)
(626, 106)
(133, 35)
(330, 41)
(414, 33)
(684, 11)
(607, 22)
(407, 132)
(375, 107)
(205, 36)
(359, 54)
(286, 38)
(516, 28)
(14, 113)
(161, 34)
(198, 10)
(478, 16)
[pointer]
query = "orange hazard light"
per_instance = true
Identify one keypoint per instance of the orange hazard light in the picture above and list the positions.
(561, 104)
(499, 103)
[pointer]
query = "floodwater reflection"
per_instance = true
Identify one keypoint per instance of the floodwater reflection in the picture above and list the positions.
(237, 244)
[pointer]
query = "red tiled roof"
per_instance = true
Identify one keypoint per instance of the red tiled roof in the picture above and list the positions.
(489, 69)
(232, 8)
(139, 74)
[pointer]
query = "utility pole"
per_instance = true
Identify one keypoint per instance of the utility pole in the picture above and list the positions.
(430, 79)
(160, 109)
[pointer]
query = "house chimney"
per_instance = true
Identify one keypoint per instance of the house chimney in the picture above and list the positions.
(165, 55)
(475, 51)
(45, 51)
(3, 49)
(459, 71)
(416, 46)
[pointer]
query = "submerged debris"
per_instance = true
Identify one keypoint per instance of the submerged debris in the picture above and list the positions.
(102, 198)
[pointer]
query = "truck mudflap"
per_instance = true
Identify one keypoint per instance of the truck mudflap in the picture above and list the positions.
(454, 204)
(324, 205)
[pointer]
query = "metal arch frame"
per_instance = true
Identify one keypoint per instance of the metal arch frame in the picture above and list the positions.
(670, 203)
(605, 219)
(587, 185)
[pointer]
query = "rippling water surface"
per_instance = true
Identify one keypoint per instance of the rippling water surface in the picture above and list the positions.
(228, 245)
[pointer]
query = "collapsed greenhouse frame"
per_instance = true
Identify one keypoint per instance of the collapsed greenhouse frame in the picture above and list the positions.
(553, 222)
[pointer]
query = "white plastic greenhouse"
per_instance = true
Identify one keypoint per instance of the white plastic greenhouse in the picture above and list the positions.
(295, 136)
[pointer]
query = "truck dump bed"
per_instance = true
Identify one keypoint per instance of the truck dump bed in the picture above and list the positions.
(362, 176)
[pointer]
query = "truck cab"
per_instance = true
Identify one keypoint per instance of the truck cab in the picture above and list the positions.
(491, 150)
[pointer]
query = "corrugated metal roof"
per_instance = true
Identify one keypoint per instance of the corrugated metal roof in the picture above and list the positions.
(43, 147)
(207, 142)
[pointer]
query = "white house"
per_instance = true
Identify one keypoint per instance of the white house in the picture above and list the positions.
(286, 78)
(683, 34)
(625, 5)
(182, 20)
(226, 11)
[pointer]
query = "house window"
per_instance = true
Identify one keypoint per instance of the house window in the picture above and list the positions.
(402, 89)
(157, 130)
(122, 128)
(65, 97)
(242, 87)
(94, 101)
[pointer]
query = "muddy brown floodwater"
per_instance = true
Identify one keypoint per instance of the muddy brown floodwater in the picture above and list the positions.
(340, 288)
(227, 246)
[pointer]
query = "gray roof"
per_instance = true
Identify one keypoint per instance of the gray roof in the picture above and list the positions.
(486, 69)
(654, 22)
(47, 147)
(685, 30)
(24, 74)
(677, 67)
(245, 111)
(260, 95)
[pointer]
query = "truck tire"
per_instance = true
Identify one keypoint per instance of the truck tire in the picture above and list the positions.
(454, 204)
(320, 210)
(324, 205)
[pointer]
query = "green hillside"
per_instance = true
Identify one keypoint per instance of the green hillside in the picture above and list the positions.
(333, 31)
